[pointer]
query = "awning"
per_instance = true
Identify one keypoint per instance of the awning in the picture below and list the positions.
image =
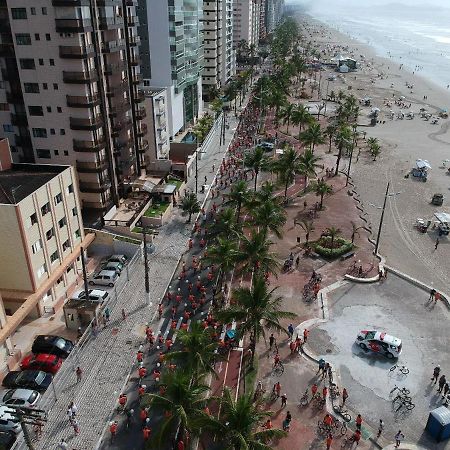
(442, 217)
(422, 164)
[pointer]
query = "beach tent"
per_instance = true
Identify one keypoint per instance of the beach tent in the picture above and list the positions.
(422, 164)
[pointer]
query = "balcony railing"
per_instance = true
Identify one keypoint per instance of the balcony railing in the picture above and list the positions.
(114, 68)
(73, 25)
(101, 186)
(134, 60)
(119, 109)
(91, 123)
(119, 126)
(132, 21)
(143, 147)
(90, 167)
(76, 52)
(70, 2)
(108, 23)
(117, 89)
(88, 146)
(136, 78)
(142, 130)
(80, 77)
(139, 97)
(77, 101)
(113, 46)
(141, 113)
(134, 40)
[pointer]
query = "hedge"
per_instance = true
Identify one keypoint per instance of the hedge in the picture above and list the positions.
(345, 246)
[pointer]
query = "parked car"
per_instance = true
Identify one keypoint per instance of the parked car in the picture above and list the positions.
(379, 342)
(42, 361)
(55, 345)
(267, 146)
(8, 440)
(95, 295)
(118, 258)
(21, 397)
(104, 278)
(113, 265)
(28, 379)
(8, 421)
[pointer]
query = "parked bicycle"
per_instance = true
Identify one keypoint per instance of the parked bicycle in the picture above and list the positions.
(402, 391)
(343, 412)
(304, 399)
(278, 369)
(402, 369)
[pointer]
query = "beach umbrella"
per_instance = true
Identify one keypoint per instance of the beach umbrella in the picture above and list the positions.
(422, 164)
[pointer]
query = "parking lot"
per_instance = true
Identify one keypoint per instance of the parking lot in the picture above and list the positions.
(400, 309)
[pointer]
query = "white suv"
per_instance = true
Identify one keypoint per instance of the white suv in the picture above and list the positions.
(379, 342)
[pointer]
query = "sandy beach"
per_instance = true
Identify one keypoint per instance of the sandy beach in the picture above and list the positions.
(402, 141)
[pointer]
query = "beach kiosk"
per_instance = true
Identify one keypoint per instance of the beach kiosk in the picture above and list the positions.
(443, 223)
(438, 424)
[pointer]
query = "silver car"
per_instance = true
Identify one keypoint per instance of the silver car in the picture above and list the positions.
(21, 397)
(8, 420)
(104, 278)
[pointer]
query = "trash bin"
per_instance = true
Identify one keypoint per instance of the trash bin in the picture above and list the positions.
(438, 424)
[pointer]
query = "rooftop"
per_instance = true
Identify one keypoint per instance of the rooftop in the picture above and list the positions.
(22, 180)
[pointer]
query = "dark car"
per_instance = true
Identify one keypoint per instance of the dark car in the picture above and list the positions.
(7, 439)
(55, 345)
(28, 379)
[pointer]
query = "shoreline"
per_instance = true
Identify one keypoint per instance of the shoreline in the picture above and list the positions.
(403, 141)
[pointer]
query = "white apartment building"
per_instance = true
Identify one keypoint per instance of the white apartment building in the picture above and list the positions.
(42, 235)
(228, 52)
(69, 94)
(172, 56)
(246, 17)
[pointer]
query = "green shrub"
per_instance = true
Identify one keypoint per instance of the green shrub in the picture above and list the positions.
(341, 246)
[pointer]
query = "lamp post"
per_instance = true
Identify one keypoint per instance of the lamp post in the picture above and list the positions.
(351, 154)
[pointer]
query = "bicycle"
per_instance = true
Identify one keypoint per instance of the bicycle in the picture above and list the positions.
(340, 426)
(403, 402)
(343, 412)
(37, 428)
(278, 369)
(334, 391)
(319, 402)
(304, 399)
(402, 369)
(403, 391)
(348, 441)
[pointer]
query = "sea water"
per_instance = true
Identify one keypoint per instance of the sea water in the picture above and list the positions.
(416, 36)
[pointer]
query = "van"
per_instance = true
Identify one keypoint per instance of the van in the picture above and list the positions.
(104, 278)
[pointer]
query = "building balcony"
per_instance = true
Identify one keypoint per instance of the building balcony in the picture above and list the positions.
(91, 167)
(110, 23)
(19, 120)
(115, 110)
(136, 78)
(134, 60)
(101, 186)
(113, 46)
(76, 52)
(80, 77)
(91, 123)
(141, 113)
(139, 97)
(143, 147)
(70, 2)
(126, 147)
(142, 130)
(88, 146)
(81, 101)
(120, 126)
(73, 25)
(132, 21)
(117, 89)
(109, 2)
(131, 2)
(111, 69)
(134, 40)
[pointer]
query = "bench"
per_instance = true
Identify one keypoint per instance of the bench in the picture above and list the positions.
(347, 255)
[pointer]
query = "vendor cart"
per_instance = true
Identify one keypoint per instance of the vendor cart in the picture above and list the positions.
(438, 199)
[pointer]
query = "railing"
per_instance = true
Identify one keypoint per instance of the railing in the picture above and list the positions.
(80, 77)
(88, 146)
(86, 124)
(64, 25)
(72, 51)
(81, 101)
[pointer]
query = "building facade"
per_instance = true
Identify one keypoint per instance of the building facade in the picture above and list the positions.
(172, 55)
(274, 10)
(42, 235)
(71, 72)
(246, 18)
(228, 52)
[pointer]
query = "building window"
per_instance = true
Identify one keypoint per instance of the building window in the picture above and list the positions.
(27, 63)
(45, 209)
(40, 132)
(44, 86)
(35, 110)
(33, 11)
(33, 219)
(62, 222)
(59, 109)
(59, 280)
(52, 131)
(74, 212)
(77, 234)
(55, 86)
(36, 246)
(43, 153)
(44, 11)
(58, 198)
(47, 37)
(62, 131)
(31, 88)
(8, 128)
(18, 13)
(41, 62)
(65, 245)
(51, 61)
(70, 188)
(54, 256)
(49, 233)
(49, 109)
(37, 37)
(69, 269)
(41, 271)
(56, 152)
(66, 152)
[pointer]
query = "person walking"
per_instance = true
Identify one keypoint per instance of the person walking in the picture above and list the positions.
(76, 427)
(63, 445)
(271, 341)
(291, 330)
(436, 244)
(146, 432)
(358, 421)
(442, 382)
(344, 396)
(283, 400)
(78, 373)
(399, 437)
(446, 389)
(113, 430)
(324, 392)
(329, 441)
(436, 372)
(277, 389)
(380, 428)
(432, 293)
(287, 421)
(124, 314)
(321, 365)
(305, 335)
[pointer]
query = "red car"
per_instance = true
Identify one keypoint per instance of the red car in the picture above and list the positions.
(42, 361)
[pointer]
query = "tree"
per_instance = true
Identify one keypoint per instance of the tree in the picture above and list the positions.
(355, 231)
(343, 139)
(276, 99)
(216, 106)
(224, 253)
(375, 151)
(301, 117)
(312, 136)
(286, 115)
(321, 189)
(257, 310)
(198, 351)
(226, 225)
(307, 226)
(239, 421)
(287, 166)
(270, 215)
(190, 205)
(238, 195)
(332, 233)
(183, 402)
(309, 164)
(257, 161)
(330, 132)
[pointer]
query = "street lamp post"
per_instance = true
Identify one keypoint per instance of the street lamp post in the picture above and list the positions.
(326, 99)
(381, 218)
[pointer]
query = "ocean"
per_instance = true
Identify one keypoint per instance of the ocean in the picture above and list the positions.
(417, 37)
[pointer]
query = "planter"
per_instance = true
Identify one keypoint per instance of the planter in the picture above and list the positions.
(341, 246)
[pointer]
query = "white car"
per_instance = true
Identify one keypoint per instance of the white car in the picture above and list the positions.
(118, 258)
(379, 342)
(104, 278)
(21, 397)
(111, 265)
(8, 421)
(95, 295)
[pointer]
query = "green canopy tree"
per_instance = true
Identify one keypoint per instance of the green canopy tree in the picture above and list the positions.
(312, 136)
(321, 189)
(257, 161)
(190, 205)
(238, 196)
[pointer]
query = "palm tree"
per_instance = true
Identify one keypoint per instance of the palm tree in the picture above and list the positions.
(343, 139)
(330, 131)
(301, 116)
(237, 426)
(269, 215)
(312, 136)
(375, 151)
(226, 225)
(287, 166)
(198, 351)
(355, 231)
(257, 161)
(255, 255)
(307, 226)
(277, 99)
(309, 164)
(238, 195)
(190, 205)
(321, 189)
(183, 401)
(224, 253)
(372, 141)
(286, 115)
(332, 233)
(257, 310)
(265, 193)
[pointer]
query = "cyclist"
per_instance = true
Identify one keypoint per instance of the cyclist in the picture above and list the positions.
(277, 389)
(276, 360)
(122, 401)
(314, 388)
(328, 421)
(324, 392)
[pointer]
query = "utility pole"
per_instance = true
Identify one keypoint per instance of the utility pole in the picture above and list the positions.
(381, 219)
(85, 280)
(147, 282)
(351, 154)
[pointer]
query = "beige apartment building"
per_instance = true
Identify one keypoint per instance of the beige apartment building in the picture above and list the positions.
(246, 18)
(69, 95)
(42, 235)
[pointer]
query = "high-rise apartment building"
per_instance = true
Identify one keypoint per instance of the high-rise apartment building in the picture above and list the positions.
(172, 56)
(246, 17)
(273, 14)
(228, 51)
(69, 95)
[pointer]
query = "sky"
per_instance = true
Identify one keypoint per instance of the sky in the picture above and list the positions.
(372, 3)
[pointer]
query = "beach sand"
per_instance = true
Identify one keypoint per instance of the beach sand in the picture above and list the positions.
(403, 141)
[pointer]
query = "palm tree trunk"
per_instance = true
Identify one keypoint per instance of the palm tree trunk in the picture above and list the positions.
(190, 217)
(329, 148)
(256, 178)
(285, 189)
(238, 212)
(338, 160)
(321, 200)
